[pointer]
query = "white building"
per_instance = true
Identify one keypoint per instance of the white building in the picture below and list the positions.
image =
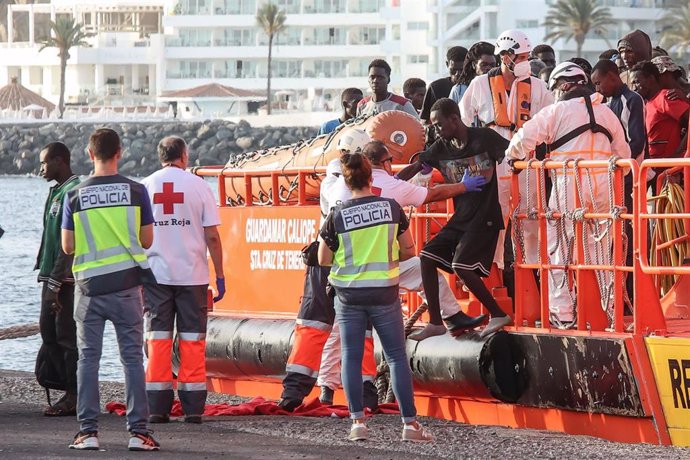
(146, 47)
(120, 64)
(463, 22)
(326, 47)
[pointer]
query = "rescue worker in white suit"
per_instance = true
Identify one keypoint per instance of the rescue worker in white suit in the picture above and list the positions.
(406, 194)
(504, 99)
(577, 126)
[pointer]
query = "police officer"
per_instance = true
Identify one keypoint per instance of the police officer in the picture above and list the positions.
(107, 223)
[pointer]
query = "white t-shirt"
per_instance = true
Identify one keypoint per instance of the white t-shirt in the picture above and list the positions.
(183, 204)
(383, 185)
(333, 172)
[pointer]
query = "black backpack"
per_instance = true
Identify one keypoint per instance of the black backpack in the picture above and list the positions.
(49, 374)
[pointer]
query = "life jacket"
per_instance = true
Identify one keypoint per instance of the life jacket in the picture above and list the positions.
(500, 102)
(544, 149)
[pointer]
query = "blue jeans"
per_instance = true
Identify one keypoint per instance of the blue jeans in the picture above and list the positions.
(388, 323)
(125, 309)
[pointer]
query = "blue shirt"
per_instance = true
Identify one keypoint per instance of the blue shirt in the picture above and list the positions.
(457, 92)
(329, 126)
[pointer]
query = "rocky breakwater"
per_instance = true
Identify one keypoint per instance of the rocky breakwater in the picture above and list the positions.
(210, 142)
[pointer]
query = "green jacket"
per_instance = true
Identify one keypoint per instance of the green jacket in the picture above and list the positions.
(54, 266)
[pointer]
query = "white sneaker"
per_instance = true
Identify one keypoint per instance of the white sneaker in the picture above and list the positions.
(358, 432)
(142, 442)
(85, 441)
(416, 433)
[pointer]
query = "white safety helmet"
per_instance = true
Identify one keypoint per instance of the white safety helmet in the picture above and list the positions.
(566, 70)
(513, 40)
(353, 140)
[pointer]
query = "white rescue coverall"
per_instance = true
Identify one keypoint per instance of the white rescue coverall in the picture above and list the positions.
(548, 126)
(477, 103)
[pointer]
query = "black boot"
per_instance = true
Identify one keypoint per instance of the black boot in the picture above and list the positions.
(326, 397)
(289, 404)
(460, 322)
(370, 396)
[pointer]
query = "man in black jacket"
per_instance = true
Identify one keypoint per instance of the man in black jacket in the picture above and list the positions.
(58, 330)
(438, 89)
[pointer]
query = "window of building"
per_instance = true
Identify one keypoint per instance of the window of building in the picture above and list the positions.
(195, 37)
(236, 37)
(418, 59)
(368, 36)
(290, 36)
(289, 6)
(330, 69)
(418, 25)
(195, 69)
(325, 6)
(35, 75)
(329, 36)
(366, 6)
(240, 7)
(196, 6)
(282, 69)
(527, 23)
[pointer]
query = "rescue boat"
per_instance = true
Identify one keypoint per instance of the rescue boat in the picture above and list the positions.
(620, 372)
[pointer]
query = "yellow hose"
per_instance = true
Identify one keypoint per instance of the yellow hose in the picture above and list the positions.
(670, 200)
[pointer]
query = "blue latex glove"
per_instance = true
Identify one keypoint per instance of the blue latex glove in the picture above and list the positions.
(426, 169)
(220, 287)
(473, 183)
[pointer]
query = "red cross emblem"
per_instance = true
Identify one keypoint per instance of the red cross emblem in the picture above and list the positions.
(168, 198)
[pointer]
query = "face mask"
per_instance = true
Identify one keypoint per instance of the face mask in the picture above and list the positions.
(521, 69)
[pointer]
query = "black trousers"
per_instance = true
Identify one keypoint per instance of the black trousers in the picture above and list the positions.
(59, 333)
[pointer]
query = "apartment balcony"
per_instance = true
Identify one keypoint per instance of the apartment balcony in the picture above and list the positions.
(296, 20)
(259, 84)
(280, 52)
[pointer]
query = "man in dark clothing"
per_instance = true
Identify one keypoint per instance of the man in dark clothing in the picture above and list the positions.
(629, 108)
(545, 54)
(348, 100)
(58, 330)
(625, 103)
(466, 245)
(414, 89)
(633, 48)
(455, 57)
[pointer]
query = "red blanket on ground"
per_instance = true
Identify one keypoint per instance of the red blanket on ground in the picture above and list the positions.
(260, 406)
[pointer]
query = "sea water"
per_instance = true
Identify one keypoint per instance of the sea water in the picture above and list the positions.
(21, 212)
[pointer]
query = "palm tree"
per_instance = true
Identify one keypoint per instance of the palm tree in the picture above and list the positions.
(575, 19)
(675, 29)
(272, 21)
(65, 33)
